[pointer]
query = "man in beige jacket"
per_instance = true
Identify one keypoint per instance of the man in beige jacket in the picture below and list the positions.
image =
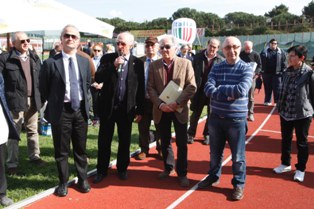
(180, 71)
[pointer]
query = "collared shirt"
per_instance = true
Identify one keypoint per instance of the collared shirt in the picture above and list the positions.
(65, 58)
(121, 88)
(169, 71)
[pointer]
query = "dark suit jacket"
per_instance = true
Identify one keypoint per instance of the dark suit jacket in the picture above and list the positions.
(52, 85)
(199, 64)
(12, 131)
(108, 75)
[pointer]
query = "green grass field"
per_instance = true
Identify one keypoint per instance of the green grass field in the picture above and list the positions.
(37, 179)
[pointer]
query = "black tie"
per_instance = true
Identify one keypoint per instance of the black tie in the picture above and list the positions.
(74, 86)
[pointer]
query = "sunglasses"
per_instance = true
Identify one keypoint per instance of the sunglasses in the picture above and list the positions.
(149, 45)
(24, 41)
(165, 47)
(74, 37)
(97, 50)
(121, 43)
(234, 47)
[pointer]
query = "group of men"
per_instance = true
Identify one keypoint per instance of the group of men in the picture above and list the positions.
(130, 92)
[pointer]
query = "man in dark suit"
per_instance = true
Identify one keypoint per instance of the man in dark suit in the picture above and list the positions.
(121, 100)
(56, 50)
(7, 130)
(64, 83)
(202, 64)
(151, 49)
(161, 72)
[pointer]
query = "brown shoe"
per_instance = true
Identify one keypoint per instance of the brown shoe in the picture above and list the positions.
(141, 156)
(13, 172)
(165, 174)
(238, 193)
(39, 162)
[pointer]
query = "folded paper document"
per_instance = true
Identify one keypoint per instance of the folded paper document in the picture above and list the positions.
(171, 93)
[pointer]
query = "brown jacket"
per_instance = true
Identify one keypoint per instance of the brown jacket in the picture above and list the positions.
(183, 75)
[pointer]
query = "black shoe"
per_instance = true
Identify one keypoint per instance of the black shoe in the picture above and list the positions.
(123, 175)
(238, 193)
(83, 186)
(190, 139)
(62, 190)
(98, 178)
(208, 182)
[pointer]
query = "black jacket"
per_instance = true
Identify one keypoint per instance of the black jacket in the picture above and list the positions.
(199, 63)
(135, 91)
(15, 81)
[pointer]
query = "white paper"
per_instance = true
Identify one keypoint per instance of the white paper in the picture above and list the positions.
(171, 93)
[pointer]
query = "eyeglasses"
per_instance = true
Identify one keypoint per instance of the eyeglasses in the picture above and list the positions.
(165, 47)
(121, 43)
(74, 37)
(149, 45)
(97, 50)
(229, 47)
(24, 41)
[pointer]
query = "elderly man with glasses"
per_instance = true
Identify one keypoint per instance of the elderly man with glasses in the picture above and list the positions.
(171, 68)
(20, 68)
(228, 85)
(120, 102)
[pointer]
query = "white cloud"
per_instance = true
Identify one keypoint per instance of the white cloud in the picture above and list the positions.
(115, 13)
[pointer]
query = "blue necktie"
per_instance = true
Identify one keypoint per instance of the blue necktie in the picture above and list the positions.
(74, 86)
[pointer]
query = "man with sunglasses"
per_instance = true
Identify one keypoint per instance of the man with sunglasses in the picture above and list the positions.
(161, 72)
(20, 68)
(274, 62)
(120, 102)
(64, 83)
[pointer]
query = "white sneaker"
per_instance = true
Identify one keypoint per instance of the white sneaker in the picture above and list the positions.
(282, 169)
(267, 104)
(299, 176)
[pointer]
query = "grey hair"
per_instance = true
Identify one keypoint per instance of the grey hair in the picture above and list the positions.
(129, 37)
(170, 37)
(70, 26)
(14, 37)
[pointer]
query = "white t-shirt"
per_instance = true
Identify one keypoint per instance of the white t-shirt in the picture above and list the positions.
(4, 133)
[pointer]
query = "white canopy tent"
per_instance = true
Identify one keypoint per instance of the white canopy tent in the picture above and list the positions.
(37, 15)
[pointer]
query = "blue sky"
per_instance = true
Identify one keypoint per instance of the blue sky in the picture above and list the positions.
(140, 10)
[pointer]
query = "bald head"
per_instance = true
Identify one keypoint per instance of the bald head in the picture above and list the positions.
(231, 48)
(248, 46)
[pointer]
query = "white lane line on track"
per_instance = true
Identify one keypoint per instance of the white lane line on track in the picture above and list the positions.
(190, 191)
(50, 191)
(279, 132)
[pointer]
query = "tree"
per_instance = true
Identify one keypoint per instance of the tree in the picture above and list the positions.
(308, 11)
(277, 11)
(243, 19)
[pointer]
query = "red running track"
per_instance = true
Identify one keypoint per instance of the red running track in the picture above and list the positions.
(264, 189)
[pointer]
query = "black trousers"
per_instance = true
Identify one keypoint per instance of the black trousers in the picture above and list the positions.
(195, 116)
(143, 128)
(180, 129)
(301, 131)
(106, 130)
(72, 127)
(3, 179)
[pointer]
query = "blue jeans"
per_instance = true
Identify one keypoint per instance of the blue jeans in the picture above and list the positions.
(232, 130)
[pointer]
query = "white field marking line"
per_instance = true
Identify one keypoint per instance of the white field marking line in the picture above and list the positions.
(190, 191)
(50, 191)
(279, 132)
